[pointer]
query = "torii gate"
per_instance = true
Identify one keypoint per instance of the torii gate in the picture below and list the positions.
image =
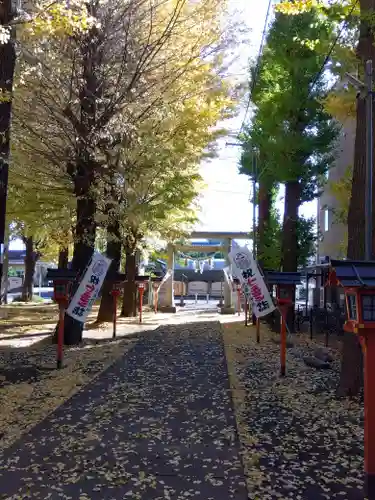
(225, 247)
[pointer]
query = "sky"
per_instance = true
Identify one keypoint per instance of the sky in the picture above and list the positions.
(225, 204)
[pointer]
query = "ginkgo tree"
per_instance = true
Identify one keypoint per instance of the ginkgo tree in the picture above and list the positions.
(158, 168)
(40, 210)
(87, 94)
(46, 20)
(362, 11)
(290, 128)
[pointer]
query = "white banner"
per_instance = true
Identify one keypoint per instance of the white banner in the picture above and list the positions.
(245, 268)
(167, 275)
(228, 277)
(89, 288)
(162, 290)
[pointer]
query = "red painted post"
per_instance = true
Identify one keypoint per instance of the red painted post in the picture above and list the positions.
(155, 298)
(115, 295)
(116, 292)
(258, 330)
(368, 347)
(283, 342)
(60, 335)
(141, 289)
(114, 316)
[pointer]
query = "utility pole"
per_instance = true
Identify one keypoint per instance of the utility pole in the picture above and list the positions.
(255, 170)
(254, 203)
(254, 189)
(7, 65)
(365, 92)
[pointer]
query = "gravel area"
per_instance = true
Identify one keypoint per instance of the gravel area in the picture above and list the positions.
(157, 424)
(298, 440)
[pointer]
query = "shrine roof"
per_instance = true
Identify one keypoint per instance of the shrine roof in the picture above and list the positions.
(282, 278)
(354, 273)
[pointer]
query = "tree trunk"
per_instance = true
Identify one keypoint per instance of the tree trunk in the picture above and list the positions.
(129, 304)
(113, 252)
(7, 66)
(289, 253)
(264, 216)
(84, 169)
(63, 258)
(30, 261)
(351, 376)
(84, 245)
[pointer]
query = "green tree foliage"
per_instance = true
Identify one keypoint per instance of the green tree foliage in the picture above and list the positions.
(270, 256)
(307, 237)
(306, 240)
(351, 367)
(341, 191)
(290, 127)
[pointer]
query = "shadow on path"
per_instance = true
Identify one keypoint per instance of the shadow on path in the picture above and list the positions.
(158, 424)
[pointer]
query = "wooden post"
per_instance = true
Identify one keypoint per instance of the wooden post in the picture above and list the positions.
(326, 325)
(298, 319)
(155, 298)
(283, 343)
(245, 311)
(239, 301)
(258, 330)
(114, 314)
(141, 291)
(60, 335)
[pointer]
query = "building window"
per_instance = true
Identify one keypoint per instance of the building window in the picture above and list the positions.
(352, 307)
(368, 307)
(326, 220)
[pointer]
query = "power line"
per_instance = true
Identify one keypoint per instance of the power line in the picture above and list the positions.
(318, 74)
(331, 49)
(257, 67)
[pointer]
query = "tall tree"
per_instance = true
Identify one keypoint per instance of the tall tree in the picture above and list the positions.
(93, 88)
(53, 19)
(7, 66)
(352, 11)
(290, 125)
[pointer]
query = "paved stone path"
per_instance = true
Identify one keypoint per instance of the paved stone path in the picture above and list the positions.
(158, 424)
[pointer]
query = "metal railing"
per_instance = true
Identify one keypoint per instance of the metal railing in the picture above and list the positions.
(315, 321)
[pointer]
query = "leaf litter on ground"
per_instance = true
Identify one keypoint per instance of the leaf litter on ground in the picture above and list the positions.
(298, 440)
(31, 387)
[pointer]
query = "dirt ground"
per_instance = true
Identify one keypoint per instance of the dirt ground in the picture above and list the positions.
(298, 440)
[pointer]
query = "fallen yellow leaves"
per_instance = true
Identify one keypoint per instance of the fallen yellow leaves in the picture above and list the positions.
(298, 440)
(23, 405)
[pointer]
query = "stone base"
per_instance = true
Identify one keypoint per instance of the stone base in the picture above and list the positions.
(227, 310)
(167, 309)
